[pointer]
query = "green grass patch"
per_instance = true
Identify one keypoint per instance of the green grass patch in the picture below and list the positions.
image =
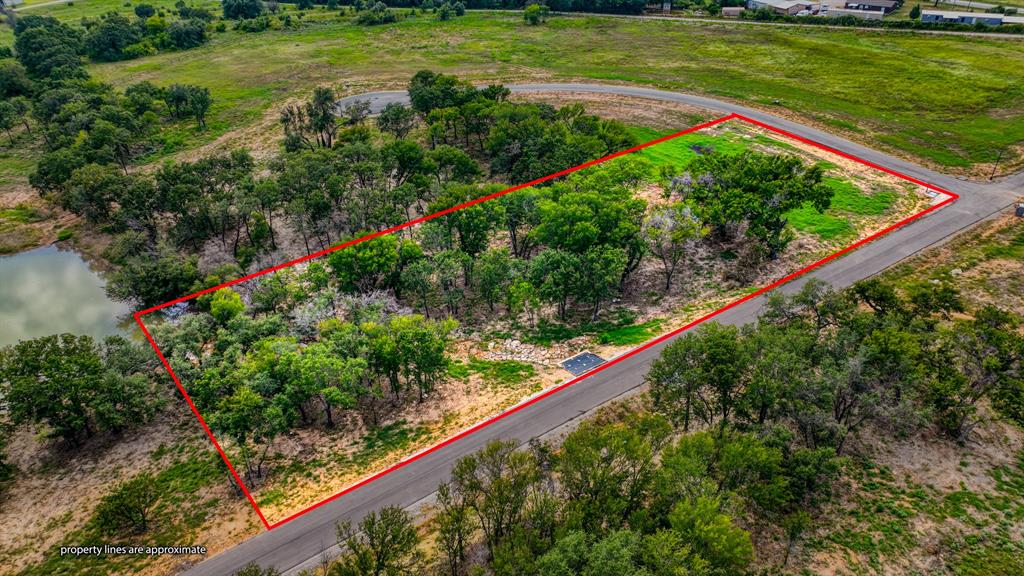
(21, 214)
(847, 197)
(629, 335)
(824, 225)
(493, 372)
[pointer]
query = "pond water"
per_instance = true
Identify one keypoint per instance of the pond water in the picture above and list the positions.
(50, 291)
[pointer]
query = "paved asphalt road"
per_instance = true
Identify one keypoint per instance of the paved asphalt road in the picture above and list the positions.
(298, 544)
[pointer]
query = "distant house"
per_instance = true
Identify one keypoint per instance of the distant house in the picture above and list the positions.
(788, 7)
(989, 19)
(732, 11)
(863, 14)
(883, 6)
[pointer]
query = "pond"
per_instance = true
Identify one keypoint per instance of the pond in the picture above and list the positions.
(50, 291)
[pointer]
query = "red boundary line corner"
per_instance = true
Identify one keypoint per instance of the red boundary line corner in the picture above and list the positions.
(950, 197)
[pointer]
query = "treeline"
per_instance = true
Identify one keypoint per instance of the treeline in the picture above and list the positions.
(338, 179)
(627, 496)
(84, 123)
(828, 365)
(255, 374)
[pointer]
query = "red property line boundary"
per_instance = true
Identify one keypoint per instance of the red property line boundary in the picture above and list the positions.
(950, 197)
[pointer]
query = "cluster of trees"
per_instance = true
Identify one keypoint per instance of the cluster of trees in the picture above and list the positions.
(75, 387)
(92, 135)
(628, 496)
(643, 494)
(256, 372)
(115, 36)
(827, 364)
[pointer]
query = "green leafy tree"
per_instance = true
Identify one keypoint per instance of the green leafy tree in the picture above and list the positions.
(14, 80)
(725, 546)
(756, 189)
(107, 41)
(241, 9)
(144, 11)
(701, 374)
(396, 119)
(495, 483)
(366, 266)
(63, 381)
(384, 545)
(226, 304)
(536, 14)
(606, 471)
(129, 507)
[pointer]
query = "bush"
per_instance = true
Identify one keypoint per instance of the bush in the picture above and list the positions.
(378, 14)
(535, 14)
(144, 11)
(144, 48)
(253, 25)
(187, 34)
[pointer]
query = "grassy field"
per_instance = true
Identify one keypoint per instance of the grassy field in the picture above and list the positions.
(954, 101)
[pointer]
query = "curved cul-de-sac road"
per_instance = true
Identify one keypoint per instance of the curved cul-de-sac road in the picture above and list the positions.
(298, 544)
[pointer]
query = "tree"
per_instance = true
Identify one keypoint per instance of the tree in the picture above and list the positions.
(915, 12)
(242, 9)
(726, 547)
(144, 11)
(535, 14)
(153, 278)
(454, 529)
(607, 470)
(129, 506)
(600, 276)
(757, 189)
(199, 103)
(226, 304)
(14, 80)
(106, 41)
(185, 34)
(493, 273)
(384, 545)
(63, 381)
(8, 118)
(668, 232)
(49, 50)
(495, 483)
(699, 374)
(251, 421)
(396, 119)
(366, 266)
